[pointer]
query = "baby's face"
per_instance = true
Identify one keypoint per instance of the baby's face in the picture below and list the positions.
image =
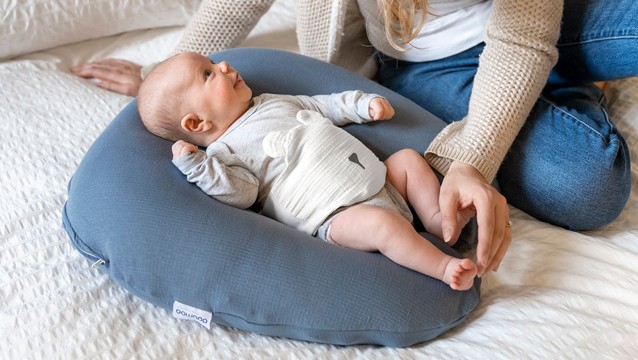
(215, 92)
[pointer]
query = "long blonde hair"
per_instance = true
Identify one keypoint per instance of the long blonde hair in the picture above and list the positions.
(400, 17)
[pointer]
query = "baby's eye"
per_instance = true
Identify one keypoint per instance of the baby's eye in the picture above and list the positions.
(207, 74)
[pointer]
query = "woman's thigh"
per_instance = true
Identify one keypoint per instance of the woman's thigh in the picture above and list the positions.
(599, 40)
(443, 87)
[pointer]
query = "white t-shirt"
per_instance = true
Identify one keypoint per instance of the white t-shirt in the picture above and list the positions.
(451, 26)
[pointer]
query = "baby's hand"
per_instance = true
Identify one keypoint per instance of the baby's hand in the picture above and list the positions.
(181, 148)
(380, 109)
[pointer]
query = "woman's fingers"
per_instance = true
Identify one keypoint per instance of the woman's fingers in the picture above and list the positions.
(449, 205)
(116, 75)
(501, 218)
(465, 188)
(117, 87)
(122, 65)
(502, 249)
(485, 216)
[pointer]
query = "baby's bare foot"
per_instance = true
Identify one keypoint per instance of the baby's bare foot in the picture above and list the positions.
(460, 273)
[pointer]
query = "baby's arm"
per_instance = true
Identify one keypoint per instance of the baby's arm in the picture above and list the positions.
(349, 106)
(222, 176)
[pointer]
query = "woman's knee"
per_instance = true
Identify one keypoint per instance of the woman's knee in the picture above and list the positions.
(582, 200)
(569, 166)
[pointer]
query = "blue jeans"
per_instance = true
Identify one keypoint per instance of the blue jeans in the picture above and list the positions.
(569, 165)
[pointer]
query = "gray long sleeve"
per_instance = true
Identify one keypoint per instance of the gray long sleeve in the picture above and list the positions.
(221, 175)
(341, 108)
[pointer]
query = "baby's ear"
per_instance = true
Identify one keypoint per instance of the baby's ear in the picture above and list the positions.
(191, 123)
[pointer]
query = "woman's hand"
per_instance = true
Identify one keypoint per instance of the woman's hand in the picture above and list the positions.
(120, 76)
(464, 188)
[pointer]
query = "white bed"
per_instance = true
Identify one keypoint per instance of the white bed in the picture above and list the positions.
(558, 294)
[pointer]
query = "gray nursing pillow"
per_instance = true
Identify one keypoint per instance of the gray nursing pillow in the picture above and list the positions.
(131, 212)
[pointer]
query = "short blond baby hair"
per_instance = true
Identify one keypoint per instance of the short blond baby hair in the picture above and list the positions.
(157, 103)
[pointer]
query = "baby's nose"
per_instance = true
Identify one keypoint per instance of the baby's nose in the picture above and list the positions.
(224, 67)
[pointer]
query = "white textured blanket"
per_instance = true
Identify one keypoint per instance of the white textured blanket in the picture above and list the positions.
(558, 294)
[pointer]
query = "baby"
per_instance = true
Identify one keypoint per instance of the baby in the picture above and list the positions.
(285, 153)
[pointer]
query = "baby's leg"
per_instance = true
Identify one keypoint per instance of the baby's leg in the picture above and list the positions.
(372, 228)
(412, 176)
(409, 173)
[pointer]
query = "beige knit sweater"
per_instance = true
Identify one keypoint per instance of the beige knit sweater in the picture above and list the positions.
(519, 53)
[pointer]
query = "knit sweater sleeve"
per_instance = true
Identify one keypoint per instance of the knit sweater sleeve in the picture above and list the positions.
(221, 24)
(520, 50)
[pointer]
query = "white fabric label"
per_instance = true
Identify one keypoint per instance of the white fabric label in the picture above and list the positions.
(185, 312)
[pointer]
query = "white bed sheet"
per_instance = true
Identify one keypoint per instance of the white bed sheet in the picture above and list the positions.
(558, 294)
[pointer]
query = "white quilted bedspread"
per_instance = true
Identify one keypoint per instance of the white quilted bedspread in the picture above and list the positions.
(558, 294)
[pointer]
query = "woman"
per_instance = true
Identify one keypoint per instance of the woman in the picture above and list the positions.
(487, 67)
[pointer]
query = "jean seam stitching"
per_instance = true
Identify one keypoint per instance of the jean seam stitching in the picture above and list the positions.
(602, 100)
(575, 43)
(575, 119)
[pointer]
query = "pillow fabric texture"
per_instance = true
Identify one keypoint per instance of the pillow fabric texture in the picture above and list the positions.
(134, 215)
(32, 25)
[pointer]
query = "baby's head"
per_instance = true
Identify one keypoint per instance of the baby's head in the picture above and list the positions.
(188, 97)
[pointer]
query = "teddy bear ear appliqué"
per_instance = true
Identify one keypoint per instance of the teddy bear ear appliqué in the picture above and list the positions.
(274, 144)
